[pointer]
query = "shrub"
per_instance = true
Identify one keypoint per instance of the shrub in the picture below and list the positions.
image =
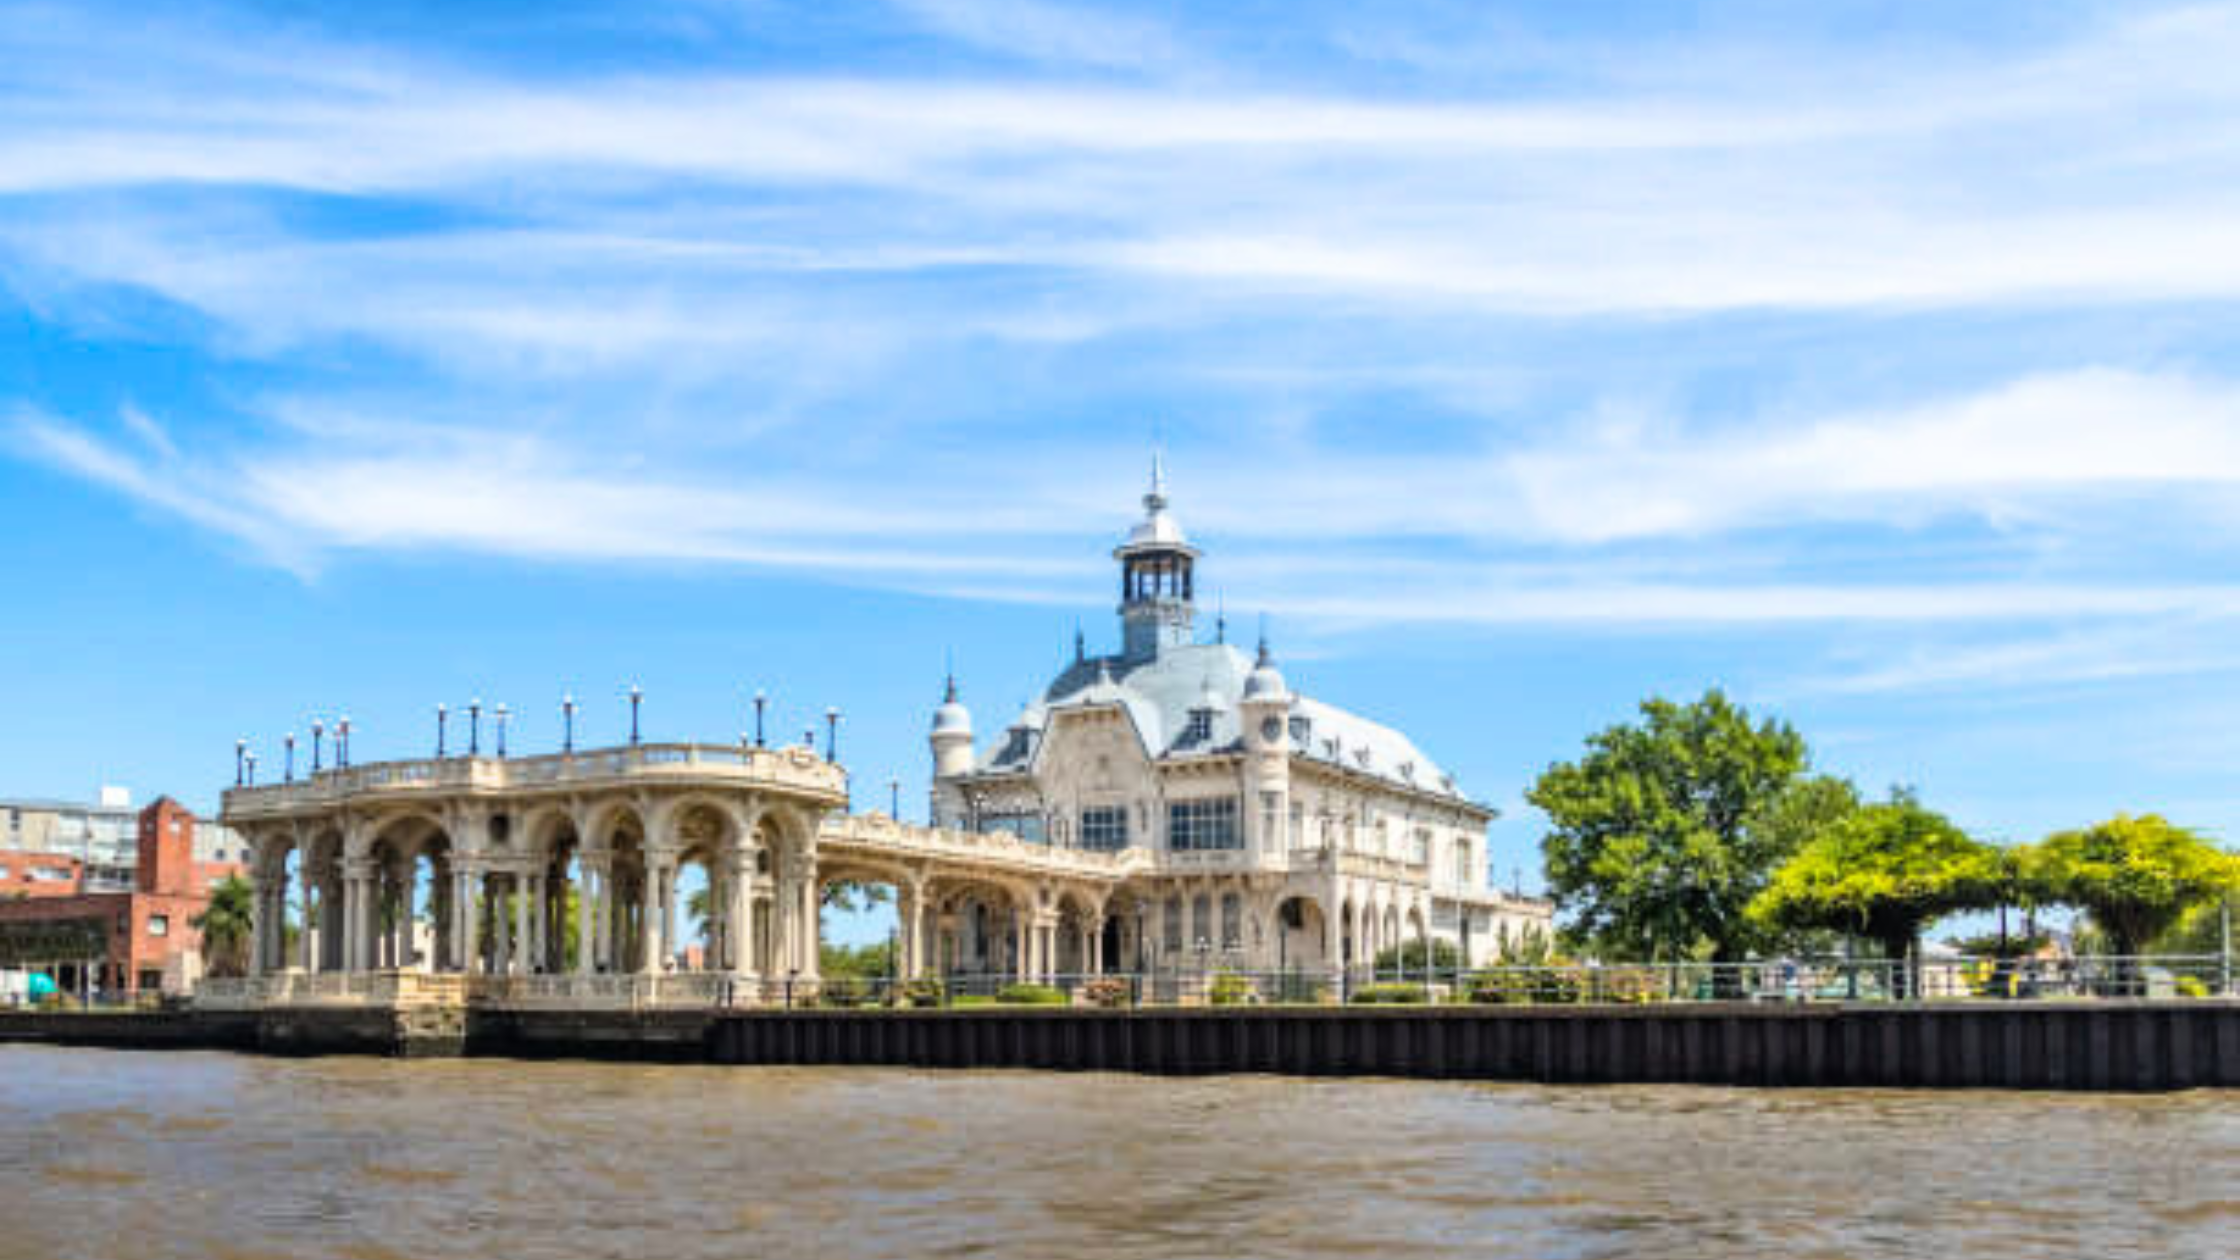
(844, 991)
(1445, 956)
(1391, 995)
(1110, 992)
(972, 999)
(2192, 987)
(1031, 995)
(1525, 984)
(925, 991)
(1230, 989)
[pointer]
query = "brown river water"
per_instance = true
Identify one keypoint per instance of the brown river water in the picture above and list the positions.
(111, 1154)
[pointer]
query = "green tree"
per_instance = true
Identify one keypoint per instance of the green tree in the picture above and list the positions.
(2134, 876)
(1665, 830)
(225, 925)
(867, 962)
(1885, 871)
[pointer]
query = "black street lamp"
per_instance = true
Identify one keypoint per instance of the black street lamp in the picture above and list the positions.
(502, 713)
(474, 727)
(252, 769)
(342, 742)
(894, 799)
(831, 734)
(288, 762)
(760, 700)
(635, 696)
(240, 754)
(443, 717)
(318, 737)
(567, 723)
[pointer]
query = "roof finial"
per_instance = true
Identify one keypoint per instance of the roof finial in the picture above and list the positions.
(949, 675)
(1080, 644)
(1220, 619)
(1263, 638)
(1157, 499)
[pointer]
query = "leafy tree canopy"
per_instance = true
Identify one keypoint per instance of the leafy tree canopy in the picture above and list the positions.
(1665, 830)
(225, 924)
(2134, 876)
(1884, 871)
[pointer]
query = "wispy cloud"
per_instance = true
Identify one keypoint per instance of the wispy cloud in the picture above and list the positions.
(908, 326)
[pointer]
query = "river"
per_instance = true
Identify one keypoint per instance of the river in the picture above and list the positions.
(118, 1154)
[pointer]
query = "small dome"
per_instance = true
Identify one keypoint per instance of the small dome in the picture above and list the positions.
(1265, 682)
(952, 718)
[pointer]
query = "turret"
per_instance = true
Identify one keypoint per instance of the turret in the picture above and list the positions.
(951, 741)
(1264, 714)
(1157, 591)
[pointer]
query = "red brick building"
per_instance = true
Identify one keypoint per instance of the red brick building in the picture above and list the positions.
(113, 942)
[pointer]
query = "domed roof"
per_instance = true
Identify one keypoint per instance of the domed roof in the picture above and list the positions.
(952, 718)
(1158, 530)
(1265, 682)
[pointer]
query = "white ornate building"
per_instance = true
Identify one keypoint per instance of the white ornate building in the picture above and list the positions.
(1172, 808)
(1270, 829)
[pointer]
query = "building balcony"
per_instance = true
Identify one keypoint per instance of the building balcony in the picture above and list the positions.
(790, 770)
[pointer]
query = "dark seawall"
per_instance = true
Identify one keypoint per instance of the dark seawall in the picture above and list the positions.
(2105, 1045)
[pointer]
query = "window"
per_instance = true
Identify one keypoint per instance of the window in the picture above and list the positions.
(159, 925)
(1172, 929)
(1298, 826)
(1419, 847)
(1200, 728)
(1195, 826)
(1028, 827)
(50, 872)
(1302, 732)
(1104, 827)
(1232, 921)
(1201, 922)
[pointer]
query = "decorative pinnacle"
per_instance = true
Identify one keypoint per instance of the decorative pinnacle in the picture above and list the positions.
(1157, 499)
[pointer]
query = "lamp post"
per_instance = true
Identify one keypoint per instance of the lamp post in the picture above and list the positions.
(443, 717)
(831, 734)
(288, 758)
(252, 759)
(474, 727)
(760, 701)
(568, 724)
(318, 737)
(894, 799)
(240, 756)
(342, 742)
(502, 713)
(635, 697)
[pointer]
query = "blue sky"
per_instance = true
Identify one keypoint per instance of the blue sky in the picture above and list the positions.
(1875, 362)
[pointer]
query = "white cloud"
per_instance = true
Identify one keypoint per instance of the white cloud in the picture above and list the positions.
(1053, 33)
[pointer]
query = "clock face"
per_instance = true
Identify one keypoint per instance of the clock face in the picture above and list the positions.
(1271, 729)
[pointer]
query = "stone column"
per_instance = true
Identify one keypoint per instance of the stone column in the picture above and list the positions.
(584, 938)
(649, 922)
(914, 931)
(1022, 936)
(257, 917)
(308, 944)
(669, 871)
(524, 953)
(810, 929)
(738, 926)
(1096, 944)
(478, 960)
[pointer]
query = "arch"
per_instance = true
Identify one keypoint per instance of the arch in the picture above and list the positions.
(1302, 933)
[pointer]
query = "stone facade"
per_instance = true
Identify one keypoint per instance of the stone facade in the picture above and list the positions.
(1272, 830)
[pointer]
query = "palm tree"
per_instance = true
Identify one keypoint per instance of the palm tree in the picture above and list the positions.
(224, 925)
